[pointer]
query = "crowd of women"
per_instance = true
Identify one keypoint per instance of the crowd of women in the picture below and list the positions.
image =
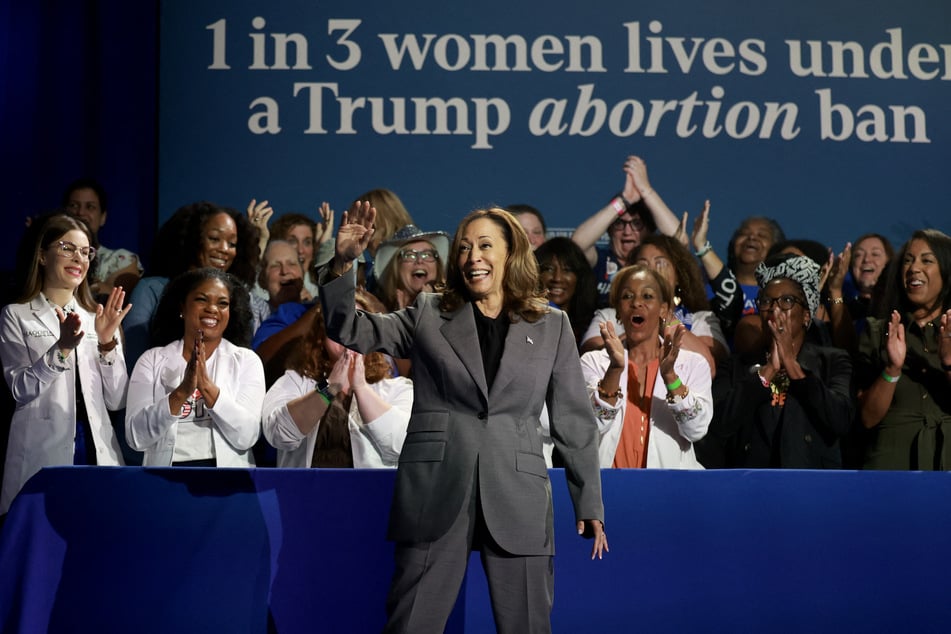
(648, 351)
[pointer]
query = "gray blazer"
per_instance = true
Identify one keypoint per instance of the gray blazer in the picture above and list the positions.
(459, 428)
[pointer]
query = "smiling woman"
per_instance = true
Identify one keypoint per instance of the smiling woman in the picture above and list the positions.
(409, 262)
(569, 280)
(196, 398)
(61, 357)
(472, 473)
(904, 362)
(199, 234)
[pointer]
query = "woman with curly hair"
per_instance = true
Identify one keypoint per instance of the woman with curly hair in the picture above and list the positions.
(337, 408)
(197, 235)
(195, 399)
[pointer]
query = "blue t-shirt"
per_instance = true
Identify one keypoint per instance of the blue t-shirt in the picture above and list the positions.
(285, 315)
(604, 270)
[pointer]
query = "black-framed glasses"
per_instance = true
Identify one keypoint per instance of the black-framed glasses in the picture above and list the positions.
(786, 302)
(412, 255)
(635, 223)
(67, 249)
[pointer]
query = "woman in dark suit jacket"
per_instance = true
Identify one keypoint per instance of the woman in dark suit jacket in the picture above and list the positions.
(487, 354)
(787, 404)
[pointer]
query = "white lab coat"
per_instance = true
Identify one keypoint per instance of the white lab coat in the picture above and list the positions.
(236, 416)
(375, 444)
(42, 432)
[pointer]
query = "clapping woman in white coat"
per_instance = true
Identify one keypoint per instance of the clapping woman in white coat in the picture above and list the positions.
(195, 399)
(651, 397)
(61, 358)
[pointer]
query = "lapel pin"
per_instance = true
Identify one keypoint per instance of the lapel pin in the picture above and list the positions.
(529, 340)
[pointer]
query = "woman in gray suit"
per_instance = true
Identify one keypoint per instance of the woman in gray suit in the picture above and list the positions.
(487, 355)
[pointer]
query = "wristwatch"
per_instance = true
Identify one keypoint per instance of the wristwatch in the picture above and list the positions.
(328, 390)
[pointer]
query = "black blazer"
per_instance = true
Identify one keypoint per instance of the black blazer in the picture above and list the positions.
(749, 431)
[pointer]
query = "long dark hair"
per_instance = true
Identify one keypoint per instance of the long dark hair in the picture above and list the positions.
(893, 293)
(167, 324)
(582, 304)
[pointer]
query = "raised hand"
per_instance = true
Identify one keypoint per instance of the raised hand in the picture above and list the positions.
(340, 374)
(895, 345)
(612, 344)
(110, 315)
(259, 213)
(701, 228)
(358, 378)
(670, 349)
(681, 234)
(637, 169)
(840, 266)
(826, 269)
(70, 330)
(356, 229)
(325, 228)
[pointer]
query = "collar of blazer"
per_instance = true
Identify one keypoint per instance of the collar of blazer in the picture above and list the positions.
(45, 312)
(461, 335)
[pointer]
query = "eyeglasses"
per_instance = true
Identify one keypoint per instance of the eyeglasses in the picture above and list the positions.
(636, 224)
(412, 255)
(786, 302)
(66, 249)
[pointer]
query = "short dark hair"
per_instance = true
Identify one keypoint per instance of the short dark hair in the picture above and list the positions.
(87, 183)
(775, 229)
(521, 208)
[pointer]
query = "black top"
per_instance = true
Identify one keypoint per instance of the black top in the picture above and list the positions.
(492, 334)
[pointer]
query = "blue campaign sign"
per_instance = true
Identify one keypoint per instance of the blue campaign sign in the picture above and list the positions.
(830, 116)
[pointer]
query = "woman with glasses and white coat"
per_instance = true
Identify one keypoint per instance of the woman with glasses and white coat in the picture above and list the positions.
(62, 357)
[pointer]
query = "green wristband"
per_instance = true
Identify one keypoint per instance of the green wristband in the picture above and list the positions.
(889, 378)
(673, 386)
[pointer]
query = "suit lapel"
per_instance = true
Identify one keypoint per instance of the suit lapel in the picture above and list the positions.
(519, 348)
(45, 313)
(461, 335)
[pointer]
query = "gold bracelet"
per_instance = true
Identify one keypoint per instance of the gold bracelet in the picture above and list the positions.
(838, 300)
(617, 394)
(671, 396)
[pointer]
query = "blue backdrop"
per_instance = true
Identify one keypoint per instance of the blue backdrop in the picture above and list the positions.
(81, 95)
(830, 116)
